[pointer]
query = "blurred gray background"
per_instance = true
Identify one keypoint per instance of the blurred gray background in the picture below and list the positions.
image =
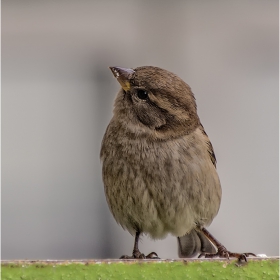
(57, 99)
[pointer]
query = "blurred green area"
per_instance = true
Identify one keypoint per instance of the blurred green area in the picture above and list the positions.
(106, 269)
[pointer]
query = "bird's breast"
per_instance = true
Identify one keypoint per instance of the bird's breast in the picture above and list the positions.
(160, 187)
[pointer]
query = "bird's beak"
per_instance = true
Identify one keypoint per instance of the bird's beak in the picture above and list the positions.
(123, 75)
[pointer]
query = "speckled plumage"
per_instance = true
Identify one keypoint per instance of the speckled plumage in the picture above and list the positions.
(159, 167)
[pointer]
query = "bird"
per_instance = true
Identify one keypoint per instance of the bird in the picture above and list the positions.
(159, 166)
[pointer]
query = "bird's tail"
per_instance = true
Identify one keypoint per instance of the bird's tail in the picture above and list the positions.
(194, 243)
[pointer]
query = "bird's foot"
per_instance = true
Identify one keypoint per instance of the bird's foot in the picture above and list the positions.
(138, 255)
(224, 253)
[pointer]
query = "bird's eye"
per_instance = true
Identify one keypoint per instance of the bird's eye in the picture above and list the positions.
(142, 94)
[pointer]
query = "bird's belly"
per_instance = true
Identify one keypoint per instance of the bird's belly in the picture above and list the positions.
(162, 199)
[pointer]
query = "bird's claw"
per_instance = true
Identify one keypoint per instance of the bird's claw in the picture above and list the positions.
(152, 255)
(138, 255)
(224, 253)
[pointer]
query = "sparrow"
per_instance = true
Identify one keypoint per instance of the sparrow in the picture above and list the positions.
(159, 166)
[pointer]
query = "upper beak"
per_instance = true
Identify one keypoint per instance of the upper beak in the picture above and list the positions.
(123, 75)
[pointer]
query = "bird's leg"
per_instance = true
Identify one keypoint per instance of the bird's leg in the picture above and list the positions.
(222, 251)
(136, 254)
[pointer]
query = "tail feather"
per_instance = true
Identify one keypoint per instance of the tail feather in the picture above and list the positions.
(194, 243)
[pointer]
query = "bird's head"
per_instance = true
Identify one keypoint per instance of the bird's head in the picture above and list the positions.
(154, 102)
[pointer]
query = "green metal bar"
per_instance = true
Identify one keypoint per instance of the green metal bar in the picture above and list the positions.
(255, 268)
